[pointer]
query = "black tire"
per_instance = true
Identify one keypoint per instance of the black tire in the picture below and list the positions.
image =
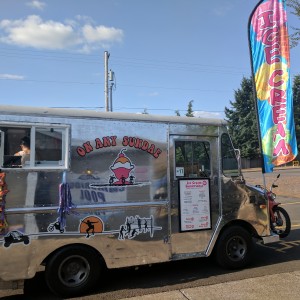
(282, 225)
(73, 271)
(234, 248)
(50, 228)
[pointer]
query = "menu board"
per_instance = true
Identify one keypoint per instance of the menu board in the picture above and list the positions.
(194, 196)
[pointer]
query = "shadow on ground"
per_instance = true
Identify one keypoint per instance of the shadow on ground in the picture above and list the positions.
(129, 282)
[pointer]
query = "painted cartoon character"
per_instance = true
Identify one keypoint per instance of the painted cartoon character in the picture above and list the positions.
(134, 226)
(15, 236)
(55, 225)
(121, 168)
(90, 227)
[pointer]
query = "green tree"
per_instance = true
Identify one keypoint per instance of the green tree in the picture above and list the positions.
(296, 98)
(242, 120)
(190, 112)
(177, 113)
(295, 36)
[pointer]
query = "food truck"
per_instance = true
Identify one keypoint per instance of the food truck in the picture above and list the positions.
(108, 190)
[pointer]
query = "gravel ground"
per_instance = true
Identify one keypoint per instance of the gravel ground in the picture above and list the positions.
(288, 183)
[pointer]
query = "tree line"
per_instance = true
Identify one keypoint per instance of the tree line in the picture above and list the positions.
(295, 31)
(241, 116)
(242, 121)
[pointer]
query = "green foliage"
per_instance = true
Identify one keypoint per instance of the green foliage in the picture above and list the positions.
(295, 4)
(177, 113)
(190, 112)
(296, 98)
(242, 120)
(295, 36)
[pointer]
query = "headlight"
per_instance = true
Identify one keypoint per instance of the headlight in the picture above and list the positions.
(273, 196)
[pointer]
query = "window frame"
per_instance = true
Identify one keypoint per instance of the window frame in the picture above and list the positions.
(194, 141)
(224, 171)
(65, 143)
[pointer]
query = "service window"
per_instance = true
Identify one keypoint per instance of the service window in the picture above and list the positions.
(34, 147)
(230, 165)
(192, 159)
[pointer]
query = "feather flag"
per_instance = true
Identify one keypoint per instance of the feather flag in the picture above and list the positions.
(270, 61)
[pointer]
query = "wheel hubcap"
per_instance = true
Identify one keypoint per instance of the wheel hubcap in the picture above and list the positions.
(74, 270)
(236, 248)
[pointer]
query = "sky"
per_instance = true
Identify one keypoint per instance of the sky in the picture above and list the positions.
(164, 53)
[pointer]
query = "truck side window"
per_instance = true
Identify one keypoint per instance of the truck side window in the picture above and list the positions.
(229, 161)
(192, 159)
(48, 146)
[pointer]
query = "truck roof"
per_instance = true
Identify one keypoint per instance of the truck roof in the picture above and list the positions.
(93, 114)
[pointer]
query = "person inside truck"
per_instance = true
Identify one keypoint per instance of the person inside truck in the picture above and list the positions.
(25, 149)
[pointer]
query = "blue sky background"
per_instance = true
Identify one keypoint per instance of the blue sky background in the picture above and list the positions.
(164, 53)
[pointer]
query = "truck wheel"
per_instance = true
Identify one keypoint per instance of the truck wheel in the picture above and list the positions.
(234, 248)
(73, 271)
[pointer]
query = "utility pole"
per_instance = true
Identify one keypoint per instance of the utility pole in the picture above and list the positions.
(106, 56)
(111, 80)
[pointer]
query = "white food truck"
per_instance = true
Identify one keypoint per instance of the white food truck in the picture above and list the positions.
(108, 190)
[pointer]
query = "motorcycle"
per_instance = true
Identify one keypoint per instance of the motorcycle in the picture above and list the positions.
(55, 225)
(279, 218)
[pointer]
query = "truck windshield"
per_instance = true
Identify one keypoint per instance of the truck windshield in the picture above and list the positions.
(230, 164)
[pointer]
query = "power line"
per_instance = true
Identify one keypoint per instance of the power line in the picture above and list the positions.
(121, 61)
(137, 108)
(50, 81)
(166, 109)
(101, 83)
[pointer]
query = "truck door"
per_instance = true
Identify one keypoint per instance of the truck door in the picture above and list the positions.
(194, 177)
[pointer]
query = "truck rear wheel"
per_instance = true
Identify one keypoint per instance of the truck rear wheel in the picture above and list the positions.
(234, 248)
(73, 271)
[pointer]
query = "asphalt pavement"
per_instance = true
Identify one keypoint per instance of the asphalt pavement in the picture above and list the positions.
(280, 286)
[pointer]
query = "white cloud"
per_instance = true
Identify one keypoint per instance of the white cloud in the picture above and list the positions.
(153, 94)
(36, 4)
(85, 19)
(223, 8)
(11, 77)
(37, 33)
(150, 94)
(102, 33)
(207, 114)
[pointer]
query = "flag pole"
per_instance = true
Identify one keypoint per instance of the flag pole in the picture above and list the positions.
(256, 107)
(254, 90)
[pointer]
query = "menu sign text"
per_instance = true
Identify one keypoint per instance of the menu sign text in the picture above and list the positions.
(194, 196)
